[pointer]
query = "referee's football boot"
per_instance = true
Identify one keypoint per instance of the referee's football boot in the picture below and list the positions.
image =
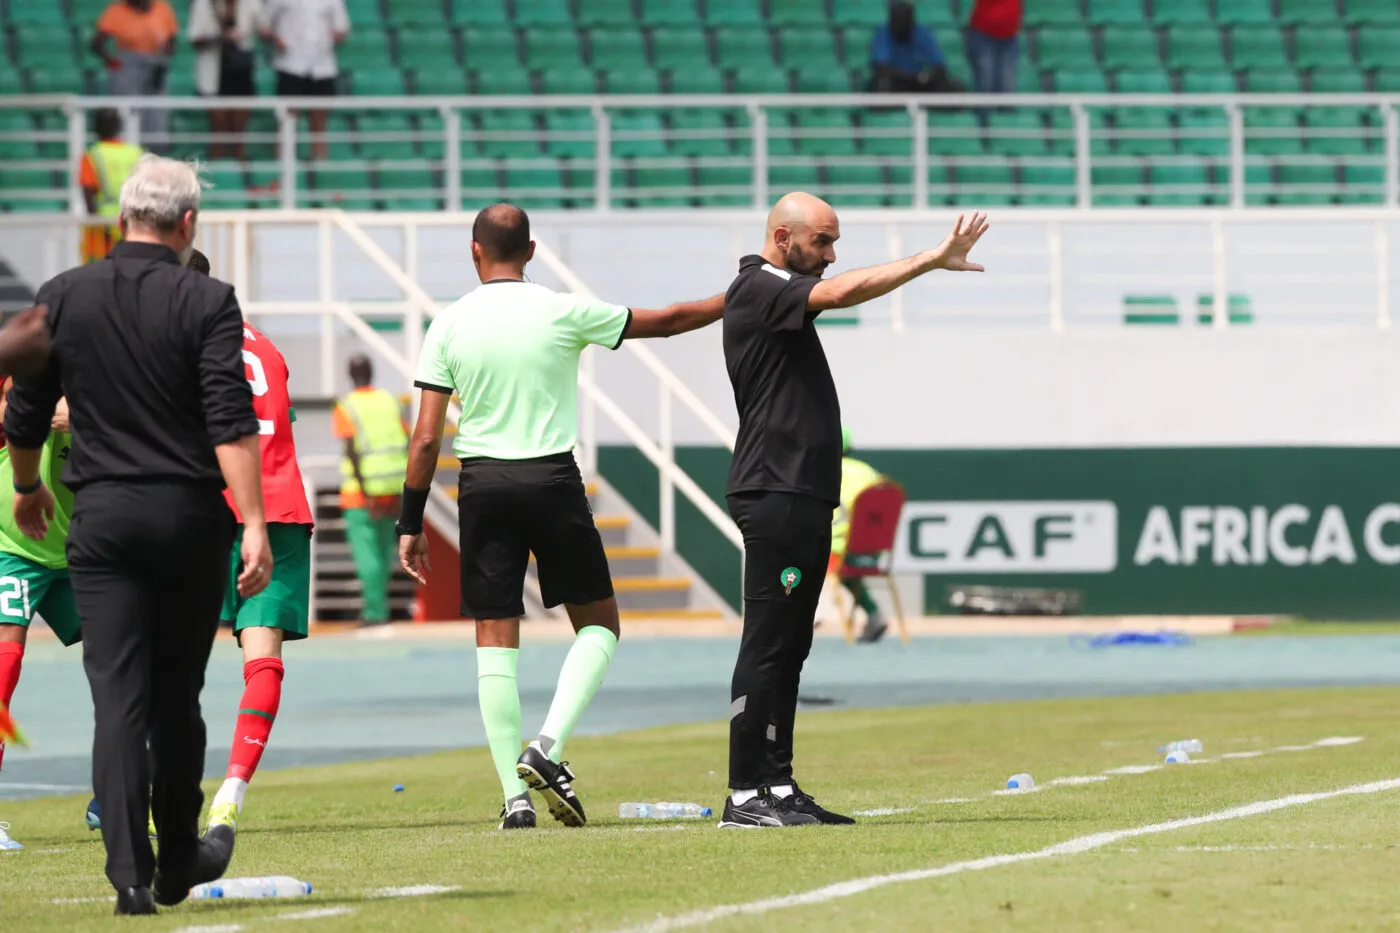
(518, 813)
(803, 803)
(765, 810)
(555, 782)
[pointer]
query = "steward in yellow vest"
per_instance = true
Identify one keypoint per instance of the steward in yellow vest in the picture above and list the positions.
(856, 477)
(104, 169)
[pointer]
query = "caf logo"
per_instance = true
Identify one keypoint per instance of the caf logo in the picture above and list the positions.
(790, 578)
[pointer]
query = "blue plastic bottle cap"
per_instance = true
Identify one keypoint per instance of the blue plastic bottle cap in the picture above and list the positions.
(216, 892)
(398, 788)
(308, 887)
(706, 811)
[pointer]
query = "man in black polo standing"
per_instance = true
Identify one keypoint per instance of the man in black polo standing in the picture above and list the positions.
(786, 480)
(150, 357)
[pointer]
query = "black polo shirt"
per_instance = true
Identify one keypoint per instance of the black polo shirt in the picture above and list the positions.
(150, 356)
(789, 416)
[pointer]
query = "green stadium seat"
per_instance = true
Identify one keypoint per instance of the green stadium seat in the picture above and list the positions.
(1363, 183)
(507, 80)
(477, 14)
(1338, 81)
(365, 48)
(387, 82)
(508, 134)
(852, 185)
(662, 186)
(669, 13)
(1371, 12)
(676, 49)
(570, 134)
(568, 79)
(1322, 47)
(386, 134)
(991, 181)
(1015, 133)
(1307, 184)
(1271, 131)
(734, 13)
(1194, 49)
(1244, 12)
(1049, 184)
(823, 80)
(481, 182)
(1182, 13)
(855, 13)
(437, 80)
(1130, 47)
(1155, 81)
(701, 79)
(1273, 82)
(953, 133)
(538, 186)
(784, 178)
(487, 48)
(1041, 15)
(697, 132)
(725, 181)
(427, 47)
(801, 47)
(941, 189)
(552, 48)
(638, 134)
(1208, 82)
(593, 13)
(1257, 47)
(855, 45)
(417, 12)
(617, 46)
(1307, 12)
(766, 80)
(1080, 82)
(1117, 184)
(1061, 138)
(783, 13)
(742, 48)
(635, 79)
(1203, 132)
(549, 13)
(1341, 131)
(1183, 185)
(1388, 80)
(1064, 48)
(399, 182)
(10, 80)
(341, 179)
(1115, 13)
(886, 133)
(363, 12)
(938, 15)
(1378, 47)
(1143, 131)
(45, 47)
(826, 132)
(36, 14)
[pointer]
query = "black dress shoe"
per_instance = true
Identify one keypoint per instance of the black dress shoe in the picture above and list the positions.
(135, 901)
(211, 861)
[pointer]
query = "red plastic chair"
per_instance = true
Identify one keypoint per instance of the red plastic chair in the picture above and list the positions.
(870, 546)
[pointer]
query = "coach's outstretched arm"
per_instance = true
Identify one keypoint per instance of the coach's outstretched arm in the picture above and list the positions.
(674, 319)
(861, 285)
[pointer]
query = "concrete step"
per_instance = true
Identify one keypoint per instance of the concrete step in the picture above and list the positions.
(687, 614)
(650, 593)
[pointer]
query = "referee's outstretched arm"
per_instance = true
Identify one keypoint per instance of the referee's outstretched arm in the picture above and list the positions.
(674, 319)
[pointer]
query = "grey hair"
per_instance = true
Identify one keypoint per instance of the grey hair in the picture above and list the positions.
(159, 191)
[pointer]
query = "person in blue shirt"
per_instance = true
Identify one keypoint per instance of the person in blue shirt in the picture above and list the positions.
(905, 56)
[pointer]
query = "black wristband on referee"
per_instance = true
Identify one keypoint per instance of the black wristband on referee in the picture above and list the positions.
(411, 515)
(32, 487)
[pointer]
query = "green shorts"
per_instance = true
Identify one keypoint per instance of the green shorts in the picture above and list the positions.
(27, 588)
(285, 602)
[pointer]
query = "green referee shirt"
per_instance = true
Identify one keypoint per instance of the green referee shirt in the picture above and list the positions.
(510, 351)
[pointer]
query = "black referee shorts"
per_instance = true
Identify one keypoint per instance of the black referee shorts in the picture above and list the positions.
(507, 509)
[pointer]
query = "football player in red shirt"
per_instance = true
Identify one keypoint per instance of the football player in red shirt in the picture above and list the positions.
(279, 613)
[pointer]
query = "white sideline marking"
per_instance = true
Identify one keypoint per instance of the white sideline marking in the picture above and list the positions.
(1202, 761)
(1013, 791)
(660, 829)
(954, 800)
(884, 811)
(216, 928)
(316, 913)
(1074, 846)
(1292, 748)
(414, 890)
(84, 900)
(1243, 755)
(1077, 780)
(1335, 740)
(60, 788)
(1134, 769)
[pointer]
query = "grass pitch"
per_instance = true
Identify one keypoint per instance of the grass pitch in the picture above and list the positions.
(1323, 865)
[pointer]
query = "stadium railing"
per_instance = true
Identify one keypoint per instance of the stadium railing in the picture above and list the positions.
(604, 153)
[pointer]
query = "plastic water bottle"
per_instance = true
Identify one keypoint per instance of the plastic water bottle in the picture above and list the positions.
(1189, 746)
(271, 886)
(1020, 782)
(664, 810)
(1178, 757)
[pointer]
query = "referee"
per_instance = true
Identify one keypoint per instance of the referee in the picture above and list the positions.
(785, 480)
(150, 356)
(510, 351)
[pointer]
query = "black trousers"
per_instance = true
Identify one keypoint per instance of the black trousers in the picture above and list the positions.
(149, 563)
(787, 542)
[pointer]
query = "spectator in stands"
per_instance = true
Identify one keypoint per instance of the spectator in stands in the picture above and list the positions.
(305, 34)
(135, 39)
(905, 57)
(223, 32)
(103, 171)
(994, 44)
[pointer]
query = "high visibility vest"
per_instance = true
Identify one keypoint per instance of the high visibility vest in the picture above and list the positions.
(856, 477)
(380, 443)
(113, 162)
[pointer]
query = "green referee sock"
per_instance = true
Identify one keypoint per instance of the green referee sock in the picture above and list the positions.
(500, 713)
(580, 678)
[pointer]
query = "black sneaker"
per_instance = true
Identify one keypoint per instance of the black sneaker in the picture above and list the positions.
(803, 803)
(518, 814)
(211, 861)
(554, 781)
(763, 811)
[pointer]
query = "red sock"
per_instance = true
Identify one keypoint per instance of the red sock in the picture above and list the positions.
(256, 713)
(11, 654)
